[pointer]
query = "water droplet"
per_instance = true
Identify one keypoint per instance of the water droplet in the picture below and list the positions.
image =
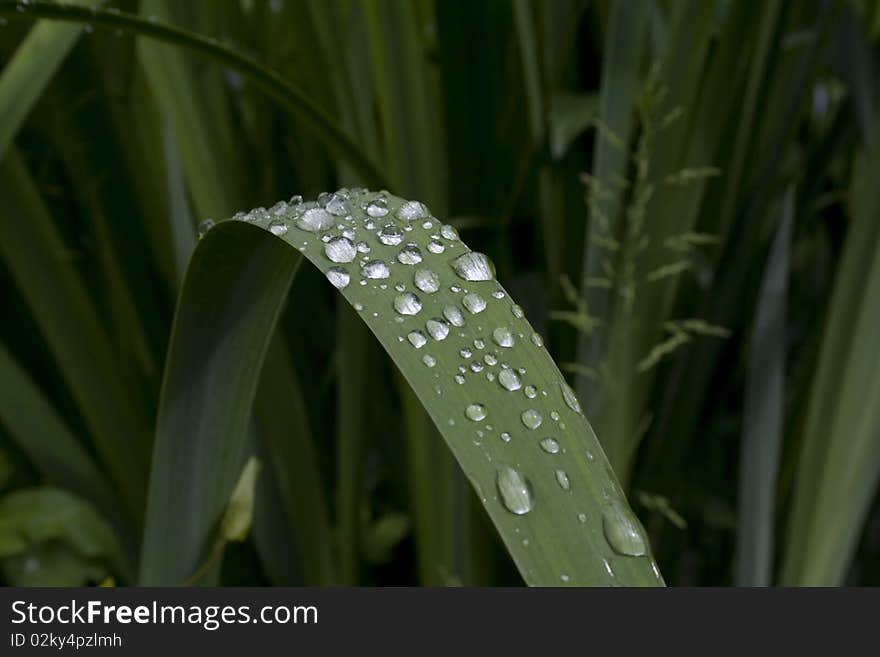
(582, 517)
(531, 392)
(437, 328)
(363, 247)
(407, 304)
(565, 578)
(390, 235)
(562, 480)
(503, 337)
(509, 380)
(517, 311)
(475, 412)
(338, 277)
(550, 445)
(453, 316)
(490, 360)
(429, 360)
(474, 266)
(537, 340)
(476, 367)
(296, 199)
(479, 344)
(340, 249)
(570, 399)
(377, 208)
(465, 353)
(278, 228)
(409, 255)
(435, 246)
(375, 269)
(417, 339)
(459, 379)
(623, 531)
(315, 220)
(337, 206)
(474, 303)
(411, 210)
(554, 416)
(205, 226)
(515, 490)
(448, 232)
(531, 418)
(505, 436)
(427, 281)
(498, 294)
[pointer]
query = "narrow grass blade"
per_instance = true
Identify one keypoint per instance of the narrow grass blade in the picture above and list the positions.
(840, 459)
(42, 268)
(544, 482)
(764, 413)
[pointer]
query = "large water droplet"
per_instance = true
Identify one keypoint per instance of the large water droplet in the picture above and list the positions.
(314, 220)
(509, 379)
(550, 445)
(375, 269)
(531, 418)
(515, 490)
(437, 328)
(417, 339)
(390, 235)
(340, 249)
(338, 277)
(503, 337)
(623, 531)
(278, 227)
(453, 316)
(411, 210)
(562, 480)
(474, 266)
(377, 208)
(474, 303)
(409, 255)
(427, 281)
(448, 232)
(407, 304)
(570, 399)
(475, 412)
(337, 206)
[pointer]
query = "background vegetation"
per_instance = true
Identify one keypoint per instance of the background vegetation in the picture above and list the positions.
(682, 195)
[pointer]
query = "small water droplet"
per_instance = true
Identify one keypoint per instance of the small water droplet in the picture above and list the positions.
(363, 247)
(205, 226)
(448, 232)
(550, 445)
(503, 337)
(582, 517)
(435, 246)
(427, 281)
(417, 339)
(476, 367)
(517, 311)
(278, 228)
(377, 208)
(375, 269)
(562, 480)
(338, 277)
(475, 412)
(454, 316)
(411, 210)
(465, 353)
(459, 379)
(537, 340)
(623, 531)
(474, 266)
(474, 303)
(498, 294)
(515, 490)
(407, 304)
(390, 235)
(437, 328)
(429, 360)
(570, 398)
(315, 220)
(509, 380)
(490, 360)
(531, 392)
(505, 436)
(340, 249)
(409, 255)
(565, 578)
(531, 418)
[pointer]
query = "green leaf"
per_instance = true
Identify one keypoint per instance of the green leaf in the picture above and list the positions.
(239, 514)
(556, 503)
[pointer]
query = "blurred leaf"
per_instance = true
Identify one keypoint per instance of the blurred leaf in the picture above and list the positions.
(570, 115)
(240, 511)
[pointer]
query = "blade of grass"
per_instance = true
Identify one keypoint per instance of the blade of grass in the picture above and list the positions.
(270, 82)
(56, 295)
(565, 524)
(763, 415)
